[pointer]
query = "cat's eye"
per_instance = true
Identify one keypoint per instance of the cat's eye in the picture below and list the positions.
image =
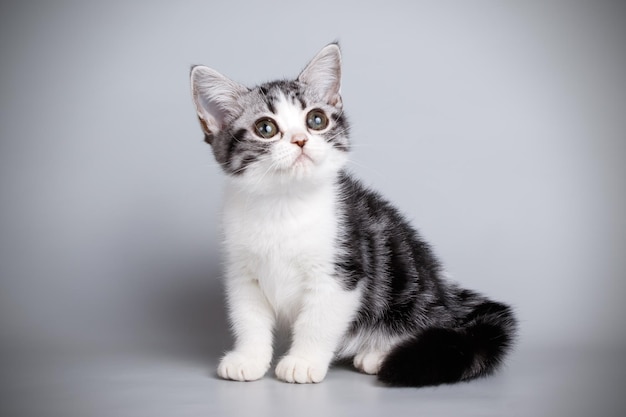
(316, 120)
(266, 128)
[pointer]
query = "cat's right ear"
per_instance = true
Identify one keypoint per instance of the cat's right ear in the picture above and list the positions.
(323, 73)
(216, 98)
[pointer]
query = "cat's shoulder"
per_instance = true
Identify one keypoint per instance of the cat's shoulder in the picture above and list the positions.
(354, 191)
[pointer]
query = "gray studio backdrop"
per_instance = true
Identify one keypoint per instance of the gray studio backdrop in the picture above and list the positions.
(498, 128)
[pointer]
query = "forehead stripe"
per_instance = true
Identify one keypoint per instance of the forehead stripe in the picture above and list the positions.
(268, 99)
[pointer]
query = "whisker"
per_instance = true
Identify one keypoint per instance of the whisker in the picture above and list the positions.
(374, 171)
(272, 165)
(361, 145)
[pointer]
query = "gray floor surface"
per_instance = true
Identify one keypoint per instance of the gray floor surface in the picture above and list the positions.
(536, 382)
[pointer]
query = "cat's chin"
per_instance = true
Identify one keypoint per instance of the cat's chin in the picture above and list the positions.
(303, 162)
(316, 168)
(300, 167)
(302, 172)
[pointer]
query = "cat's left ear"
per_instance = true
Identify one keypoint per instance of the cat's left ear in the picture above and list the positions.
(216, 98)
(324, 74)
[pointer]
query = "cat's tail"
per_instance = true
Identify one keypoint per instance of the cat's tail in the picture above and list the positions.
(440, 355)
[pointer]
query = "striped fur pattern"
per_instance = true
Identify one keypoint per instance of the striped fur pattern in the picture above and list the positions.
(308, 245)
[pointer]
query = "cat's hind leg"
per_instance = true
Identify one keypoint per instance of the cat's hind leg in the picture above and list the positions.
(372, 350)
(369, 362)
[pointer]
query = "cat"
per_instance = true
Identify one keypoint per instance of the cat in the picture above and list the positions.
(308, 245)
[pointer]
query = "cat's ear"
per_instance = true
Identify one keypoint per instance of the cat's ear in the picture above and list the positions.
(324, 74)
(216, 98)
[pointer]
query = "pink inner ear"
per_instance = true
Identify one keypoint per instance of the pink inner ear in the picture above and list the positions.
(336, 101)
(204, 126)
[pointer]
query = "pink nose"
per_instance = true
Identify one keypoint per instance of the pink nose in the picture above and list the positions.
(299, 139)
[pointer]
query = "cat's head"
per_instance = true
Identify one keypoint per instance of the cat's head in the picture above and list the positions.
(282, 131)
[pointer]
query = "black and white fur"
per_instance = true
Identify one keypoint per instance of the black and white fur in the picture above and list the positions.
(309, 245)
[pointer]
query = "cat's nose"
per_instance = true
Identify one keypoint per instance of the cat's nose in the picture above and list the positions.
(299, 139)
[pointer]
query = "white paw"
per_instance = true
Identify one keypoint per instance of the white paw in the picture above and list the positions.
(369, 362)
(242, 367)
(300, 370)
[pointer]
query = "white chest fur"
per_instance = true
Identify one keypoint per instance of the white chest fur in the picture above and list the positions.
(283, 240)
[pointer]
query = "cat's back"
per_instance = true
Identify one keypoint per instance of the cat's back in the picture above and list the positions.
(365, 207)
(383, 245)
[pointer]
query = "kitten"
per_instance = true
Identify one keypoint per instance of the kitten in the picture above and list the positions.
(307, 244)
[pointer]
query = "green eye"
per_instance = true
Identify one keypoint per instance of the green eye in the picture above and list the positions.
(316, 120)
(266, 128)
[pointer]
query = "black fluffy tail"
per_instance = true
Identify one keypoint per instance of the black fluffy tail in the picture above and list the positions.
(447, 355)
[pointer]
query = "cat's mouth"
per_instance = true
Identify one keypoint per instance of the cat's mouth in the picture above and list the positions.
(302, 159)
(300, 163)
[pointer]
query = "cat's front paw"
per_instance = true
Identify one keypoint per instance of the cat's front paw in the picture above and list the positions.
(242, 367)
(299, 370)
